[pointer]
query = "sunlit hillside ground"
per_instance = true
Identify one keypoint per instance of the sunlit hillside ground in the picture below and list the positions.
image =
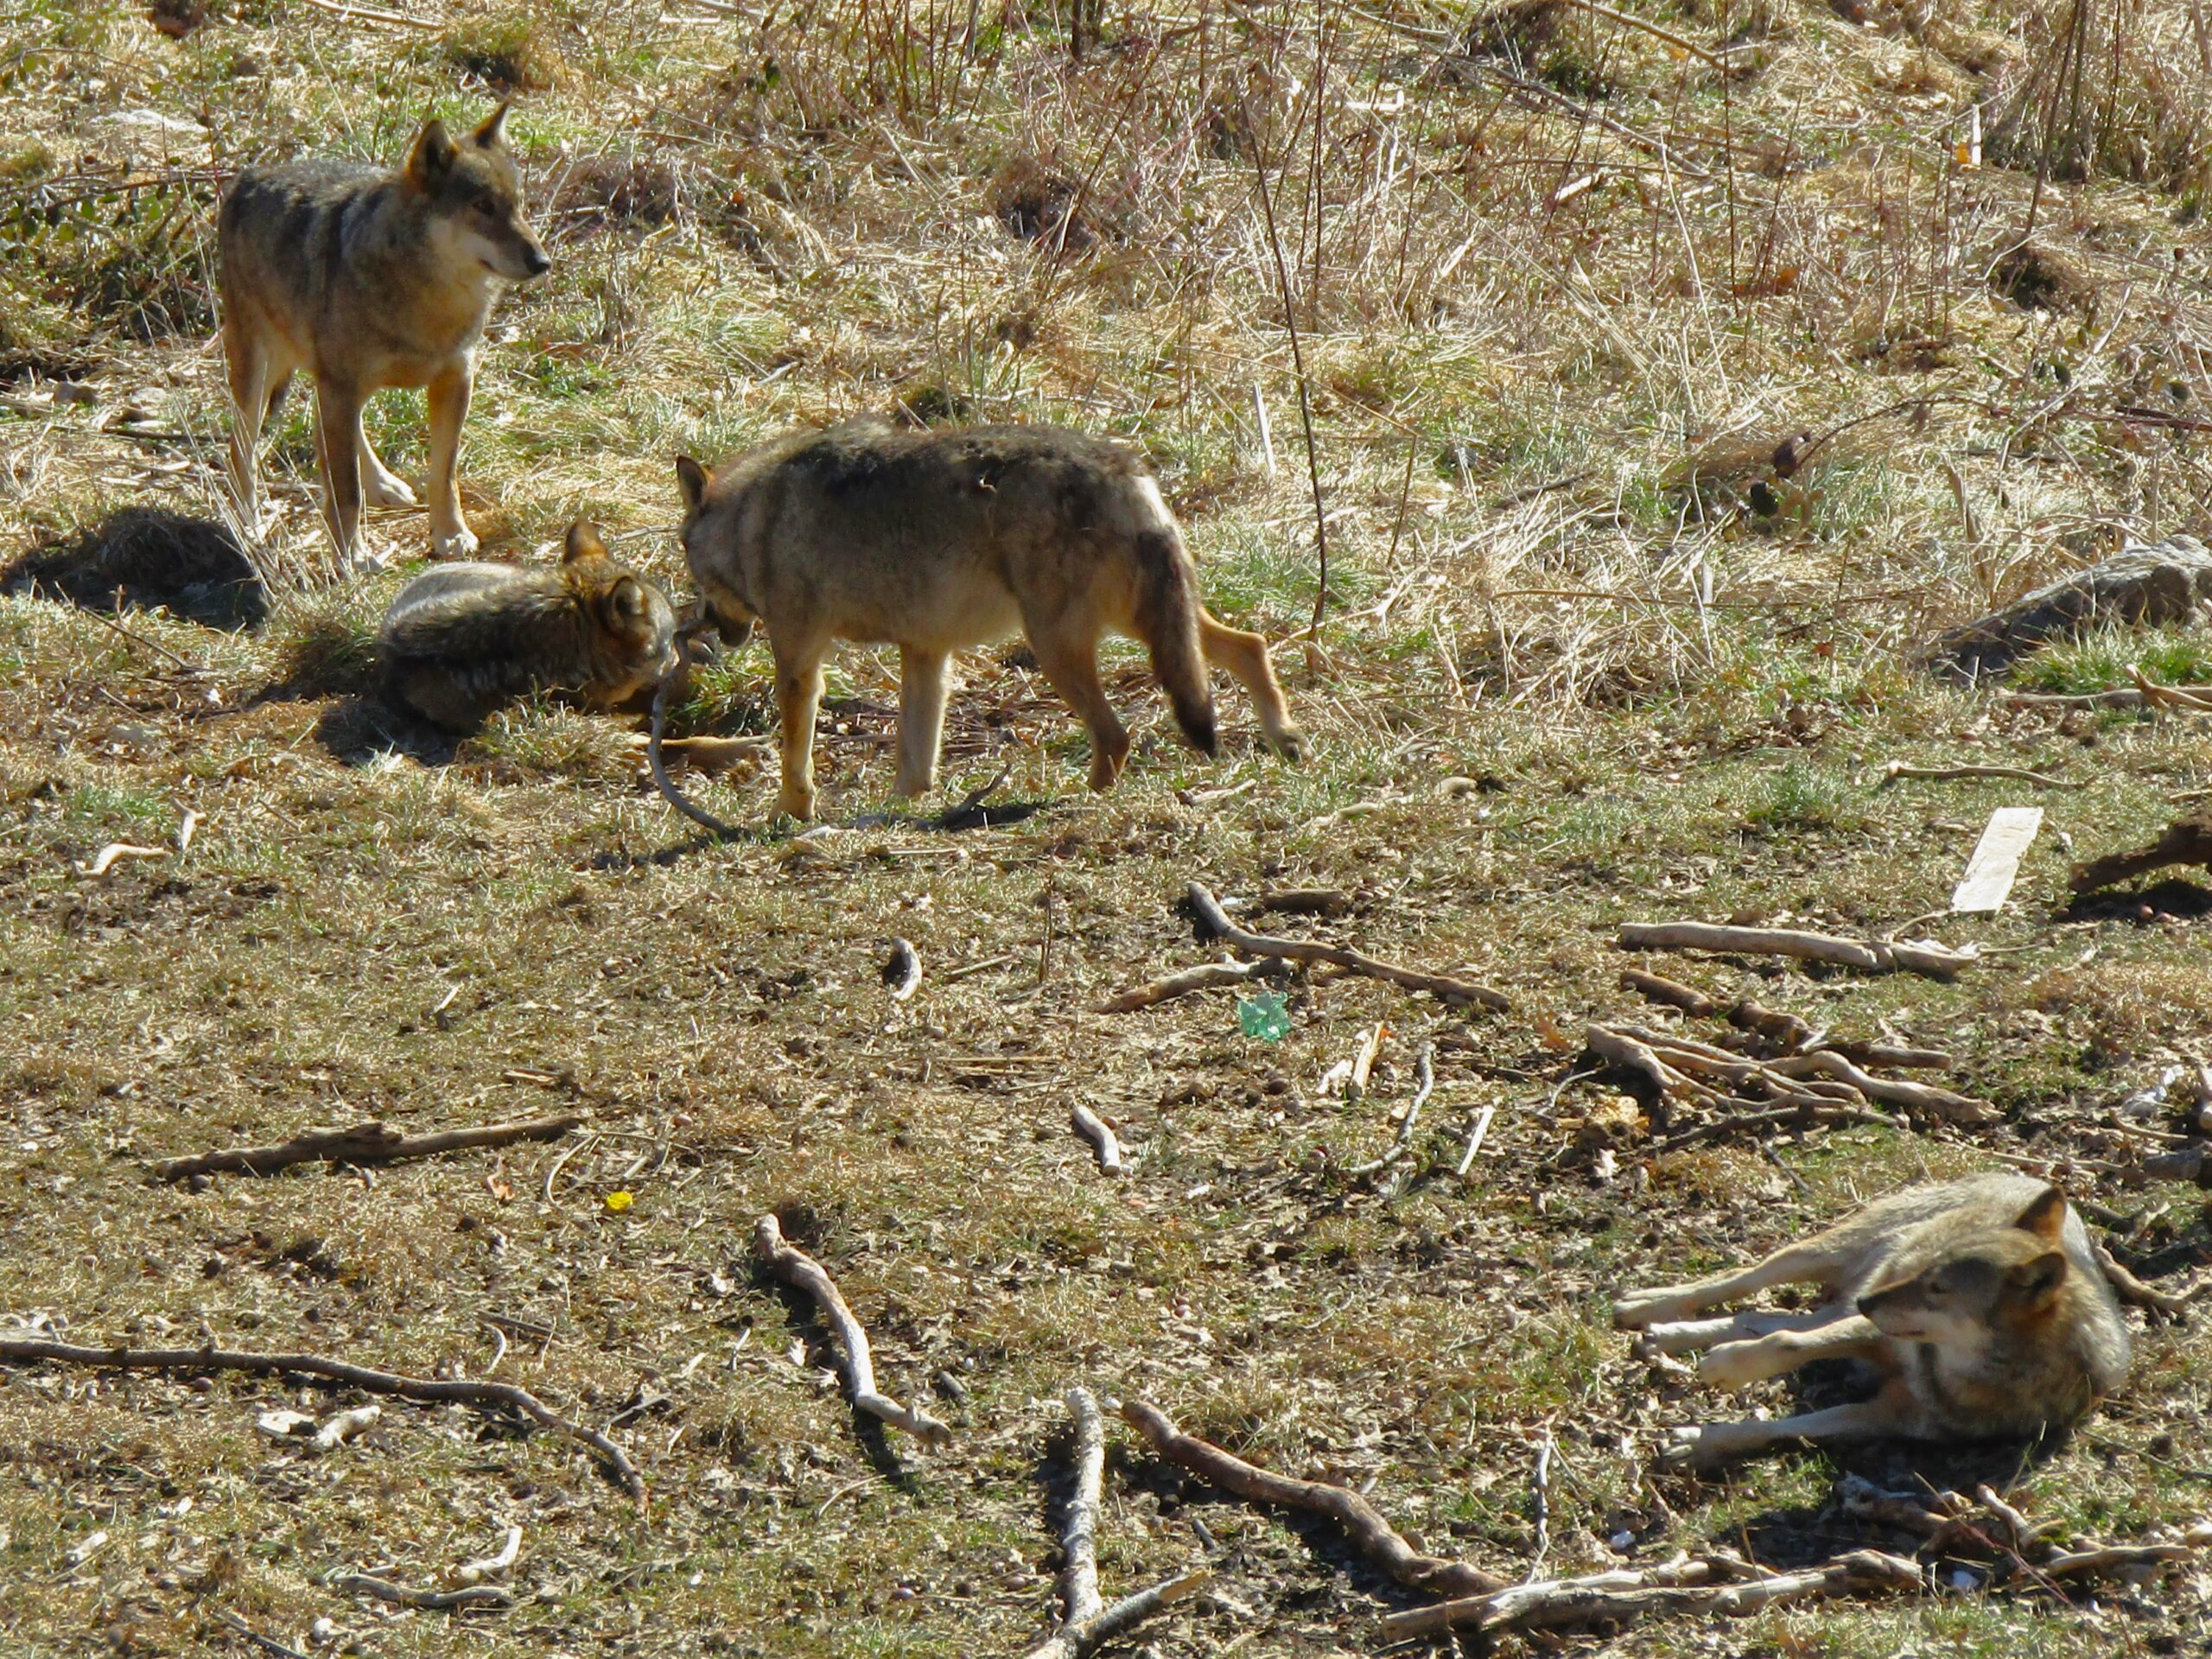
(1553, 287)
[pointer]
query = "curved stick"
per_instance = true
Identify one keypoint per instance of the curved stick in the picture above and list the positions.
(675, 796)
(1104, 1141)
(1442, 986)
(802, 1272)
(431, 1390)
(1870, 956)
(1373, 1537)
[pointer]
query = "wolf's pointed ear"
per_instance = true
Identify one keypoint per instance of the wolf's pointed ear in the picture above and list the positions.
(2046, 1217)
(2035, 1282)
(583, 542)
(493, 132)
(627, 610)
(693, 480)
(432, 157)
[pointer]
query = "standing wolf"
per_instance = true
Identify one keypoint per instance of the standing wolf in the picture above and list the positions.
(939, 541)
(1979, 1304)
(369, 279)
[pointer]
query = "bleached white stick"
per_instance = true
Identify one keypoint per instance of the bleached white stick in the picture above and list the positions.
(801, 1271)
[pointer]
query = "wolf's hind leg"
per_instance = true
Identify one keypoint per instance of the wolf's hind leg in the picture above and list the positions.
(379, 483)
(1073, 671)
(338, 414)
(251, 397)
(1245, 656)
(921, 719)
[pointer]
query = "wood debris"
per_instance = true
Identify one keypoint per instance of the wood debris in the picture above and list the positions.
(802, 1272)
(1719, 1583)
(1213, 922)
(432, 1390)
(1086, 1622)
(373, 1142)
(1923, 957)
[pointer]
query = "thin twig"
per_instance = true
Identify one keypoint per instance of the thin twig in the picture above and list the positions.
(1196, 979)
(1896, 769)
(364, 1143)
(1216, 921)
(1425, 1076)
(675, 796)
(432, 1390)
(1104, 1141)
(1373, 1537)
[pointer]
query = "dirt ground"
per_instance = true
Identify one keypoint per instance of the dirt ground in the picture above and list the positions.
(1594, 653)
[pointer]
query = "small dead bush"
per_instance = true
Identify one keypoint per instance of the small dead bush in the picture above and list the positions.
(2038, 278)
(508, 54)
(1040, 206)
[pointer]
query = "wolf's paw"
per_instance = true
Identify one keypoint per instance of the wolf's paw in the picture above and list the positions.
(1732, 1365)
(1683, 1447)
(456, 543)
(383, 490)
(1293, 745)
(1640, 1308)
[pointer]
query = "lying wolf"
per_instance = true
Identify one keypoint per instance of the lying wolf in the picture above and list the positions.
(462, 640)
(368, 279)
(1979, 1305)
(937, 542)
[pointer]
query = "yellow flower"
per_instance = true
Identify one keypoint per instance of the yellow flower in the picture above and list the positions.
(618, 1202)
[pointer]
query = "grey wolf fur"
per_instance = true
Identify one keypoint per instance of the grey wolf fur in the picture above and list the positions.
(1979, 1305)
(462, 640)
(939, 541)
(369, 279)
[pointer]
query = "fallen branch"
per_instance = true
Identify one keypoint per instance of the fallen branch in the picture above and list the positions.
(1425, 1084)
(802, 1272)
(376, 14)
(1196, 979)
(1086, 1622)
(1214, 921)
(1095, 1129)
(1948, 1104)
(2156, 696)
(2129, 1288)
(1372, 1535)
(1926, 958)
(371, 1142)
(107, 857)
(1897, 769)
(2119, 697)
(1621, 1597)
(430, 1391)
(472, 1595)
(1807, 1113)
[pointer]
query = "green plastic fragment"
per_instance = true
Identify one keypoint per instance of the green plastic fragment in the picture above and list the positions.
(1264, 1015)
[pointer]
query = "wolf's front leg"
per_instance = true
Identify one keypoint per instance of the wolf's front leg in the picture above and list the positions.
(921, 719)
(379, 484)
(798, 693)
(1843, 1335)
(449, 392)
(1790, 1265)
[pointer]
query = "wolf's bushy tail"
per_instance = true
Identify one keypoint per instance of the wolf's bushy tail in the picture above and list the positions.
(1167, 622)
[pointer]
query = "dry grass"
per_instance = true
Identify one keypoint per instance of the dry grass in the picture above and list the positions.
(1562, 291)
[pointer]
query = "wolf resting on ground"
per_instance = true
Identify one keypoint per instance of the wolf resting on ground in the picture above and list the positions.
(1979, 1305)
(939, 541)
(463, 639)
(368, 279)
